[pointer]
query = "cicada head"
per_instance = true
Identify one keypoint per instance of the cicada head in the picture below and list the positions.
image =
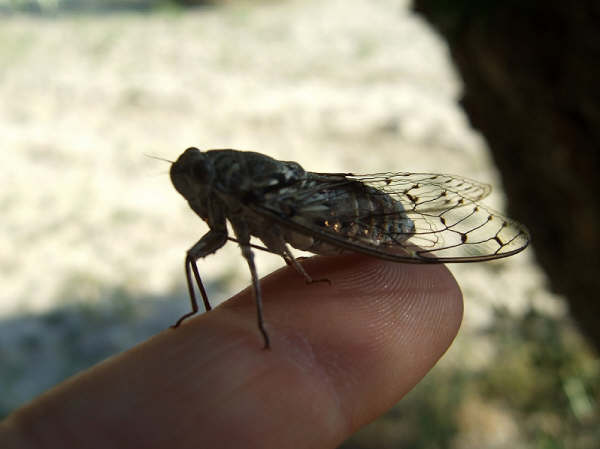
(192, 173)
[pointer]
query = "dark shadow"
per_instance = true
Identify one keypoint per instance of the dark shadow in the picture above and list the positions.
(40, 351)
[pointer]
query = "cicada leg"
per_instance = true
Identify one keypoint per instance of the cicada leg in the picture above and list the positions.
(209, 243)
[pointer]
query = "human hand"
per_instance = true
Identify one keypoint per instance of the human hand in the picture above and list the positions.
(340, 356)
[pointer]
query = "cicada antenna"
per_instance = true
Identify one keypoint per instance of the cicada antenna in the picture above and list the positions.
(158, 158)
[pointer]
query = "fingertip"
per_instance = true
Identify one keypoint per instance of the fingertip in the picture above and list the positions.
(340, 355)
(371, 335)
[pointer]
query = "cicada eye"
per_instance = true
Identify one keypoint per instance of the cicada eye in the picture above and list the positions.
(202, 170)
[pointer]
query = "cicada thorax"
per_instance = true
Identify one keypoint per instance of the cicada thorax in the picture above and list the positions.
(249, 175)
(357, 213)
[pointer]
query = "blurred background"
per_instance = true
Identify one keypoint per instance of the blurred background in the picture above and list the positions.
(93, 236)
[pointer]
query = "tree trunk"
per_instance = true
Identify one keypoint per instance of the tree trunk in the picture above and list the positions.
(531, 72)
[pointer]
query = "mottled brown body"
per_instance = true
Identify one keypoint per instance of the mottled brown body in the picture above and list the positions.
(409, 217)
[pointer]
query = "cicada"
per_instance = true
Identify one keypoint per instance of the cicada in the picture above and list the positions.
(403, 217)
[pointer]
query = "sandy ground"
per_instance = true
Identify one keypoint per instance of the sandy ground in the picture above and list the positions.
(351, 85)
(337, 86)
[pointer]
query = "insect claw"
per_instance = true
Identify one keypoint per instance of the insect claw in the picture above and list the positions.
(267, 346)
(181, 320)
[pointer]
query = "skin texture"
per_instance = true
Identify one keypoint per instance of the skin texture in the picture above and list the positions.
(341, 355)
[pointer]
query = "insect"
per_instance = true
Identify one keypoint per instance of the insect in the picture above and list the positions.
(403, 217)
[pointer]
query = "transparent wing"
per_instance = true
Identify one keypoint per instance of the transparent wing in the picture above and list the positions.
(410, 217)
(426, 190)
